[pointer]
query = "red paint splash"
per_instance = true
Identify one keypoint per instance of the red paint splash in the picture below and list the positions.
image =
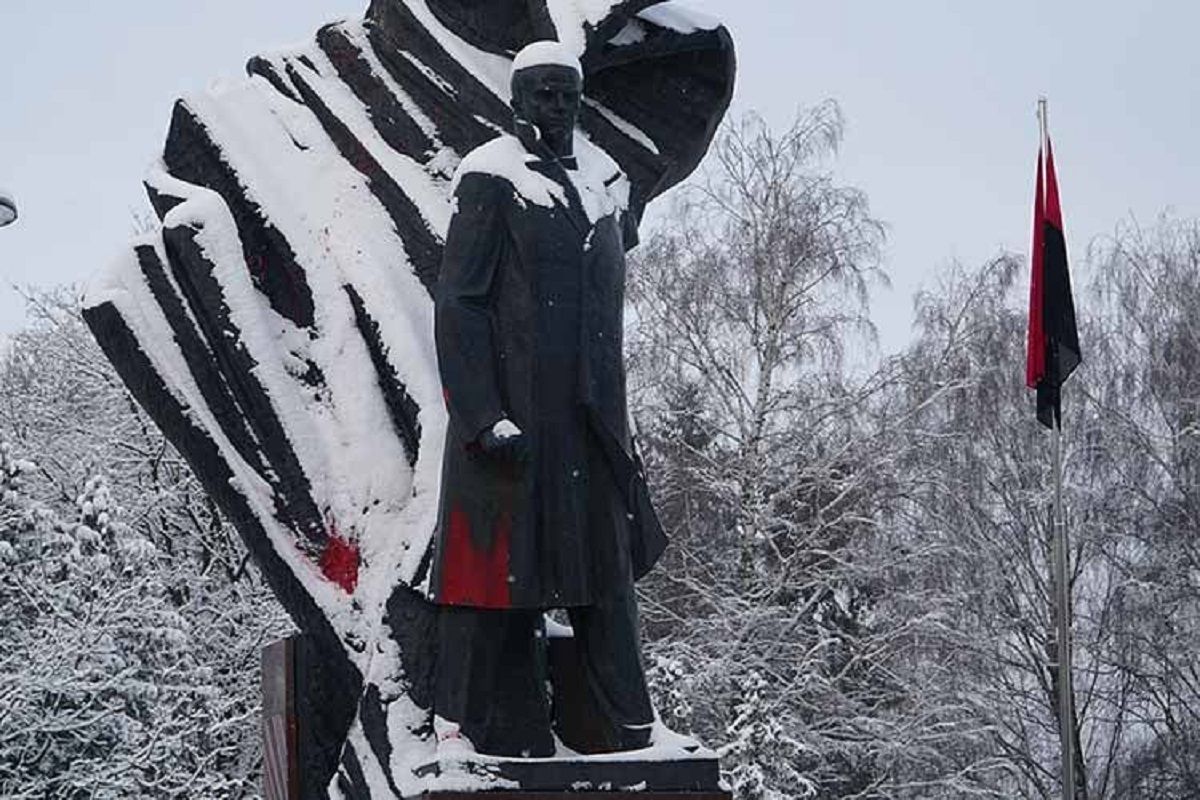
(472, 576)
(339, 562)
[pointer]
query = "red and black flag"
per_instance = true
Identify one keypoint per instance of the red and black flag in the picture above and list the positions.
(1053, 337)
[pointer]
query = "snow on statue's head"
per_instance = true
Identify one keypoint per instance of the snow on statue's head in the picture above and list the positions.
(545, 54)
(547, 89)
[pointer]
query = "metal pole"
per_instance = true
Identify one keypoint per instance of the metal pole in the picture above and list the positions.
(1062, 559)
(1062, 582)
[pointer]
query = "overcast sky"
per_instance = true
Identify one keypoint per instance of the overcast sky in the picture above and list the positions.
(939, 99)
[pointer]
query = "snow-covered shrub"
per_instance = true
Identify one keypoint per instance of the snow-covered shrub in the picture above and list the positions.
(130, 628)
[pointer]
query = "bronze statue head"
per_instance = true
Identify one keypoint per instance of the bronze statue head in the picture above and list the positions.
(547, 91)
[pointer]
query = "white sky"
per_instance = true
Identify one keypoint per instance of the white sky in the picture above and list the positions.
(939, 97)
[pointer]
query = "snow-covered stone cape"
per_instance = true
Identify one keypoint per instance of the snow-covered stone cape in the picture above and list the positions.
(279, 327)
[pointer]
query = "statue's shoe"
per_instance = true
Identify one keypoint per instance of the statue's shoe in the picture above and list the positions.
(452, 744)
(658, 736)
(635, 737)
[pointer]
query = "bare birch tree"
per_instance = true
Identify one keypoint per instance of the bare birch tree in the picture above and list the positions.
(773, 466)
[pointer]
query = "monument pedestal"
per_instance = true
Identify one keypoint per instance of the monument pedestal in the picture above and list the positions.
(304, 720)
(630, 795)
(648, 774)
(302, 739)
(679, 771)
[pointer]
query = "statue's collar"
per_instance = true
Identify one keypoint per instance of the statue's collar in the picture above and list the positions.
(543, 158)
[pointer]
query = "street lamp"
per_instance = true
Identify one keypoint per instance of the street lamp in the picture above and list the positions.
(8, 209)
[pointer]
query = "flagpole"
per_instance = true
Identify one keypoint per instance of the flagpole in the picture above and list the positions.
(1062, 556)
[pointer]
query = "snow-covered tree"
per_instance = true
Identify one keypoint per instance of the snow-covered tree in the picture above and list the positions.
(773, 465)
(976, 510)
(130, 628)
(1142, 464)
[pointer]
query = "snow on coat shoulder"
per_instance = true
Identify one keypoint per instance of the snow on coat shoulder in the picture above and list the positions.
(603, 187)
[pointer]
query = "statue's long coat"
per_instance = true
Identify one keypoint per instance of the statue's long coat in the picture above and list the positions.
(529, 312)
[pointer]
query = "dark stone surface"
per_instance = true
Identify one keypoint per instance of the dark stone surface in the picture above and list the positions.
(350, 779)
(403, 409)
(265, 69)
(670, 101)
(616, 795)
(598, 776)
(194, 273)
(391, 120)
(492, 682)
(423, 249)
(412, 623)
(323, 714)
(577, 718)
(200, 359)
(297, 681)
(162, 202)
(393, 32)
(193, 155)
(496, 26)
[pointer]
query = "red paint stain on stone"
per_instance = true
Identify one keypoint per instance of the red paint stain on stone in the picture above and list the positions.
(339, 562)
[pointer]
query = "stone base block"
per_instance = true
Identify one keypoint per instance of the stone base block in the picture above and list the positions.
(611, 776)
(578, 796)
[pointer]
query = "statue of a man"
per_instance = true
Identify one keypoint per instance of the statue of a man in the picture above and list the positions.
(543, 504)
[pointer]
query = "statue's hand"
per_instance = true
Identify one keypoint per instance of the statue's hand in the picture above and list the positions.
(505, 441)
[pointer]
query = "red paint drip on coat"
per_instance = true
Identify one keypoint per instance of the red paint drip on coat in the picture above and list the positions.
(339, 562)
(473, 576)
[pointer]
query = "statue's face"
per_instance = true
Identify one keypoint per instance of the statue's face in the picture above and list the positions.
(549, 97)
